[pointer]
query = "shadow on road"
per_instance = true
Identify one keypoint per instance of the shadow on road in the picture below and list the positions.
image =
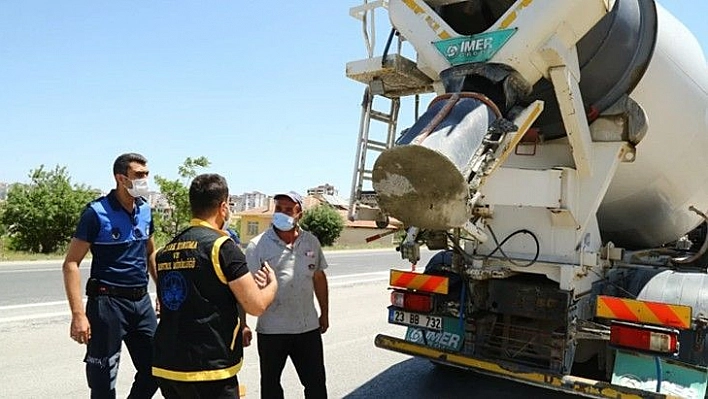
(419, 378)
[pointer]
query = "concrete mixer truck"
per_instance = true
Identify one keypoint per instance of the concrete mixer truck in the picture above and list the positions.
(560, 171)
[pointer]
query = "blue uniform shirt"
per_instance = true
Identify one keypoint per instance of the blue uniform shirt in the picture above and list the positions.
(118, 240)
(234, 236)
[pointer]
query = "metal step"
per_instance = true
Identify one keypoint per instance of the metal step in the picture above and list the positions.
(363, 204)
(392, 76)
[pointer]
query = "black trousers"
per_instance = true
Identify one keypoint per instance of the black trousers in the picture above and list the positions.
(305, 351)
(114, 321)
(221, 389)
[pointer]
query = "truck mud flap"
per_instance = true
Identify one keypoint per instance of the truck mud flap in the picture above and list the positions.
(564, 383)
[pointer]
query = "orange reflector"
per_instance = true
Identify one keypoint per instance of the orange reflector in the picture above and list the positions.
(678, 316)
(417, 281)
(647, 338)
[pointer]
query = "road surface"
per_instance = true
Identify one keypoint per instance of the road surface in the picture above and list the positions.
(39, 360)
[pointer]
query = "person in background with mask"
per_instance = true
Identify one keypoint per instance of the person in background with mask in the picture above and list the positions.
(117, 229)
(291, 327)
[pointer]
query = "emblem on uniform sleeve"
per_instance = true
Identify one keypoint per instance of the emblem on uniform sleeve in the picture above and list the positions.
(115, 233)
(174, 290)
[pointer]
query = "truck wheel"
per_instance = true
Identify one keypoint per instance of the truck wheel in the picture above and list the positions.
(382, 224)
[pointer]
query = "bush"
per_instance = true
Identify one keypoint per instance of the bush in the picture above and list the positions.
(324, 222)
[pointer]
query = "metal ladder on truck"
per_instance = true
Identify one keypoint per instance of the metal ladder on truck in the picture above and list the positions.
(387, 78)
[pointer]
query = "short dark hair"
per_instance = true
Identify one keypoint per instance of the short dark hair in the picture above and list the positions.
(206, 193)
(122, 163)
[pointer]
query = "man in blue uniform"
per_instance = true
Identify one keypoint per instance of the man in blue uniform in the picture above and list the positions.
(117, 229)
(203, 281)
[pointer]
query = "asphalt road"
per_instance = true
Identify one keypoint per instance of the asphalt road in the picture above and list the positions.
(41, 281)
(39, 360)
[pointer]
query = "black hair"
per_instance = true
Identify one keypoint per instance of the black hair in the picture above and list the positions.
(122, 163)
(206, 193)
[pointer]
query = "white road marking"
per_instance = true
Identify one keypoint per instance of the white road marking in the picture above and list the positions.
(30, 270)
(36, 316)
(334, 281)
(31, 305)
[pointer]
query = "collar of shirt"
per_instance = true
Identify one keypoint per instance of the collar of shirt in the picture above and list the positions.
(273, 235)
(115, 204)
(203, 223)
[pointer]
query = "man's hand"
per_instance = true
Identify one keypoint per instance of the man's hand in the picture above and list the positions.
(319, 280)
(80, 330)
(324, 323)
(247, 336)
(264, 276)
(157, 306)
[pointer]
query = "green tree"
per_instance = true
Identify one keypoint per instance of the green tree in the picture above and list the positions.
(41, 216)
(3, 232)
(324, 222)
(176, 192)
(3, 229)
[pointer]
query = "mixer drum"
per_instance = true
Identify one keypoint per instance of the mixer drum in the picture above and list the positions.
(638, 49)
(423, 180)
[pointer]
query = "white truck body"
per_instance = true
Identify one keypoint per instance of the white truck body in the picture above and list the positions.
(616, 169)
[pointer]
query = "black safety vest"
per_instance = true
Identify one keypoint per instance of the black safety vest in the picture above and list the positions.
(198, 337)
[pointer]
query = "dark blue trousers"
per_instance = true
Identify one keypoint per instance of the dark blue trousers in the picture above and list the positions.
(305, 351)
(114, 321)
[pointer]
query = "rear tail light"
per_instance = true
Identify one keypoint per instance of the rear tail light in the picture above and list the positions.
(412, 301)
(643, 337)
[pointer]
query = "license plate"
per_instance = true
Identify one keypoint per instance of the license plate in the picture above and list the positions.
(404, 318)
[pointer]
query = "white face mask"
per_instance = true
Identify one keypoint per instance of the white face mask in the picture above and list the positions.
(226, 221)
(140, 188)
(283, 222)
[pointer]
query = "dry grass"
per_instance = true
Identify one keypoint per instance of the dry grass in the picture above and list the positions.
(9, 255)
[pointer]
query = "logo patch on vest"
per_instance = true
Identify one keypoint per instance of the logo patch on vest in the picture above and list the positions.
(174, 290)
(115, 233)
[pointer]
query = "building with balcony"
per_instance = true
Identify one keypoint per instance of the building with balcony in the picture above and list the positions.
(326, 189)
(246, 201)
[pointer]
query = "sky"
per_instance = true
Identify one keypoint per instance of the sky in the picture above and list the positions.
(258, 88)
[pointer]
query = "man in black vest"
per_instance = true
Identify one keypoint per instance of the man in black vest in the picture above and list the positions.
(202, 280)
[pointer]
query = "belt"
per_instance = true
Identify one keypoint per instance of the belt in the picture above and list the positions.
(120, 292)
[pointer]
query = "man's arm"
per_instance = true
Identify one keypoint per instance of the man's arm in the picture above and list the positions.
(319, 280)
(152, 269)
(80, 329)
(152, 265)
(246, 330)
(255, 300)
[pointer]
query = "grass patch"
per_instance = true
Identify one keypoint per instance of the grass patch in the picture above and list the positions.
(373, 245)
(9, 255)
(6, 255)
